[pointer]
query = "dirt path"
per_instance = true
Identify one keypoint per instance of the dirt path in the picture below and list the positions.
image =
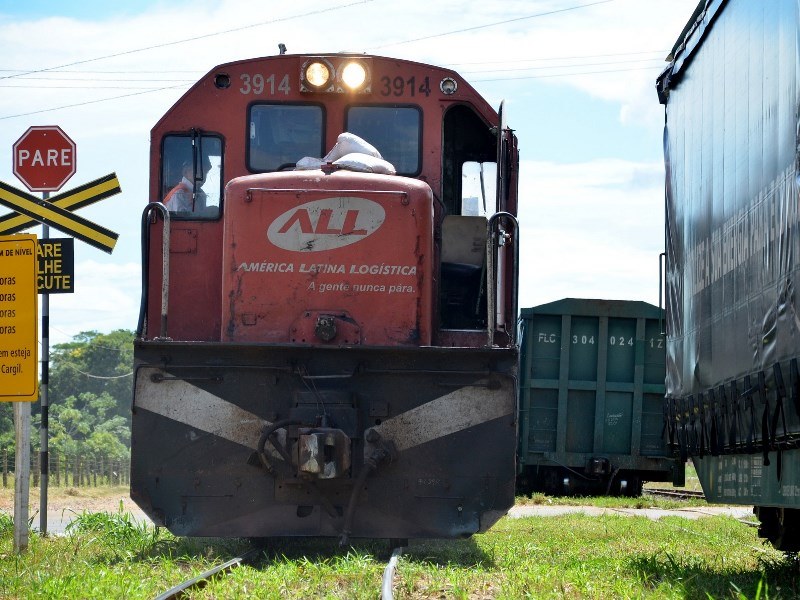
(691, 512)
(63, 503)
(78, 500)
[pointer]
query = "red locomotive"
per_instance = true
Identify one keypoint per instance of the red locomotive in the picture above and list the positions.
(327, 341)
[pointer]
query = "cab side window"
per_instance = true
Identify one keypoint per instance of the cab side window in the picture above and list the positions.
(469, 146)
(191, 175)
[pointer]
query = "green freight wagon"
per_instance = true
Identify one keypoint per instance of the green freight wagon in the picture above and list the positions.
(591, 398)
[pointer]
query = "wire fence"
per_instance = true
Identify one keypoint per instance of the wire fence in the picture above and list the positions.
(70, 471)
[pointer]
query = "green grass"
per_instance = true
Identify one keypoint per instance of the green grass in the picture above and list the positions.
(644, 501)
(107, 555)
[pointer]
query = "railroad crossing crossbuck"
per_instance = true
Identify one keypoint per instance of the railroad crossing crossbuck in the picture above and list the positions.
(56, 211)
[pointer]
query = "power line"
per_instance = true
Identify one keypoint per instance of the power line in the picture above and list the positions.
(71, 366)
(495, 62)
(63, 68)
(566, 74)
(23, 72)
(78, 87)
(188, 81)
(577, 65)
(455, 31)
(93, 343)
(103, 79)
(510, 62)
(44, 110)
(315, 12)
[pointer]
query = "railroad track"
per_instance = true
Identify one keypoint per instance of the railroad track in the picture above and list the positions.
(674, 493)
(201, 580)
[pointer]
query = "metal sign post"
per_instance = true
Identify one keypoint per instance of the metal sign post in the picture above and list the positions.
(44, 456)
(18, 358)
(22, 471)
(44, 159)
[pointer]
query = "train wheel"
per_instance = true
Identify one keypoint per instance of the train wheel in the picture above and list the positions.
(634, 489)
(780, 526)
(523, 485)
(551, 481)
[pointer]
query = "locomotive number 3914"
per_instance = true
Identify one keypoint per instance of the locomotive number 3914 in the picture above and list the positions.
(258, 84)
(271, 85)
(400, 86)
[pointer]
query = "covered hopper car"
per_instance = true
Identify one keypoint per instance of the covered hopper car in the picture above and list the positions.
(591, 396)
(327, 341)
(731, 94)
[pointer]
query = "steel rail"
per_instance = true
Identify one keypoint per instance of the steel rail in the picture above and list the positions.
(685, 494)
(388, 575)
(202, 579)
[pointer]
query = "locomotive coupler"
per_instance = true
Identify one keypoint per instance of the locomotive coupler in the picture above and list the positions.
(317, 452)
(323, 452)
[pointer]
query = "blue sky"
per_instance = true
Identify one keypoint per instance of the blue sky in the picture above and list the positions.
(77, 9)
(577, 77)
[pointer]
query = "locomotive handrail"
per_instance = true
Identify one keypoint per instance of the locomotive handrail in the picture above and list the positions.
(146, 215)
(493, 243)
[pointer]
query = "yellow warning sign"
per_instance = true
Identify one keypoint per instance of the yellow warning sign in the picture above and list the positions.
(19, 372)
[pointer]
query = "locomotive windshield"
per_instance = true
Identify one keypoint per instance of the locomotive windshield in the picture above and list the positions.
(282, 134)
(394, 130)
(191, 178)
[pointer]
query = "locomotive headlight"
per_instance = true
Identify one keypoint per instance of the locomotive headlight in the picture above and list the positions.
(340, 76)
(317, 74)
(354, 75)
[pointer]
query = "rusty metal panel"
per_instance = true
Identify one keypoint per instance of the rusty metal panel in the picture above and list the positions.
(183, 241)
(315, 262)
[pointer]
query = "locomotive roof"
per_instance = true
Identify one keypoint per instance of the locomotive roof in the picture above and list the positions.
(464, 87)
(337, 54)
(374, 57)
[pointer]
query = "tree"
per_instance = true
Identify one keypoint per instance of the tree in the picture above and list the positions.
(96, 363)
(89, 396)
(6, 425)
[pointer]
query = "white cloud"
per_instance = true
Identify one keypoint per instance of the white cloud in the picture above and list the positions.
(106, 297)
(590, 229)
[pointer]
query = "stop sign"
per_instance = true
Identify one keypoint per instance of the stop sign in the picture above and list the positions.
(44, 158)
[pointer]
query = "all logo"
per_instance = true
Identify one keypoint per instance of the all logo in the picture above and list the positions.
(326, 224)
